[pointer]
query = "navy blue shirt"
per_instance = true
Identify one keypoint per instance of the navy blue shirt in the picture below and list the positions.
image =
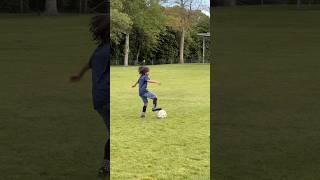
(100, 66)
(143, 84)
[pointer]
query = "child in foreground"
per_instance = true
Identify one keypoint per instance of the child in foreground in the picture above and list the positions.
(144, 93)
(99, 64)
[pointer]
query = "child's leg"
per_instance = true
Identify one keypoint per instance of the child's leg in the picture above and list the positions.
(145, 104)
(105, 167)
(155, 101)
(144, 109)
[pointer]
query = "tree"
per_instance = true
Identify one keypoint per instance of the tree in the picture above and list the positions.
(146, 32)
(167, 50)
(120, 24)
(85, 6)
(21, 6)
(147, 18)
(181, 17)
(149, 21)
(183, 30)
(51, 7)
(230, 2)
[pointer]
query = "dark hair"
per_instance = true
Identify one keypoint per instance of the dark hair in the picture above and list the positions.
(100, 28)
(143, 70)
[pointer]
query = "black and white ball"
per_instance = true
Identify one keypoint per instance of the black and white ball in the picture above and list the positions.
(161, 114)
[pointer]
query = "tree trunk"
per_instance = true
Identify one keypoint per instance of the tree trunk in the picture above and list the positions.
(230, 2)
(203, 48)
(233, 2)
(183, 23)
(51, 7)
(181, 50)
(126, 50)
(85, 6)
(298, 4)
(38, 8)
(26, 6)
(137, 57)
(80, 6)
(21, 6)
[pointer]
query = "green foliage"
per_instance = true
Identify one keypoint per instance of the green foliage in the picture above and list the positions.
(148, 22)
(120, 24)
(154, 36)
(167, 48)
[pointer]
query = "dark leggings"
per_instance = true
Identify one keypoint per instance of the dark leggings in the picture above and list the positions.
(107, 150)
(155, 101)
(105, 114)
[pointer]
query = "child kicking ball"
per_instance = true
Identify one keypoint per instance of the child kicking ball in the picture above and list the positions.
(144, 93)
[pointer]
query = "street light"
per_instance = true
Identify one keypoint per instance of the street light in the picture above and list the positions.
(204, 36)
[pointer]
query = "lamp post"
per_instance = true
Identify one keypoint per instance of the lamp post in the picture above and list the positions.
(204, 35)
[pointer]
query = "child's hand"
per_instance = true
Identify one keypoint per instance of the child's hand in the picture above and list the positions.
(75, 78)
(133, 86)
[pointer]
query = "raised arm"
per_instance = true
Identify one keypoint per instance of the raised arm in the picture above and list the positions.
(77, 77)
(154, 81)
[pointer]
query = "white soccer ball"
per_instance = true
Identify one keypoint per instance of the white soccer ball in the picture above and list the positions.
(161, 114)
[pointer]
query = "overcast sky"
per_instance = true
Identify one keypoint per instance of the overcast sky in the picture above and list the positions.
(207, 7)
(204, 5)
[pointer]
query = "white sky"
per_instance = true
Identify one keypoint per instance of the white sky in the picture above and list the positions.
(204, 5)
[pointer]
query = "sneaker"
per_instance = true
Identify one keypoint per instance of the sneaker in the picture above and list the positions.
(156, 109)
(143, 115)
(104, 171)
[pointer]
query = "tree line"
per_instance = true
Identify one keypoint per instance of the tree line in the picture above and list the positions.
(299, 3)
(148, 32)
(142, 31)
(52, 7)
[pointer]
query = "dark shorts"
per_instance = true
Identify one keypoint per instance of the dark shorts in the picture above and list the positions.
(147, 95)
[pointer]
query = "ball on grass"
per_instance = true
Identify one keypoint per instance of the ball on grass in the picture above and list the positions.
(161, 114)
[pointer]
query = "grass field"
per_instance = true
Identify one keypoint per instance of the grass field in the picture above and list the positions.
(174, 148)
(266, 84)
(48, 128)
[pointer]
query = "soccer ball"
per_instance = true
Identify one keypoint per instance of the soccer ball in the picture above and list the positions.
(161, 114)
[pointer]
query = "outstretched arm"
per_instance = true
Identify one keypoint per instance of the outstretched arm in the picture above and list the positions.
(154, 81)
(135, 84)
(77, 77)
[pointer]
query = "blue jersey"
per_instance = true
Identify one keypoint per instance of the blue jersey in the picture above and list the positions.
(100, 66)
(143, 84)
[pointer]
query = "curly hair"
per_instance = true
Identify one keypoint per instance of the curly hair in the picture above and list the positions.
(143, 70)
(100, 28)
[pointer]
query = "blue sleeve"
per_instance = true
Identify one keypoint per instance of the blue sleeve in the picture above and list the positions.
(146, 78)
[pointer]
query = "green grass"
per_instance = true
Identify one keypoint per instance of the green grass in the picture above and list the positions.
(266, 120)
(48, 128)
(173, 148)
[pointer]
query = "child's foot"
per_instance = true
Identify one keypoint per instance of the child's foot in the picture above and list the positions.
(104, 171)
(156, 109)
(143, 115)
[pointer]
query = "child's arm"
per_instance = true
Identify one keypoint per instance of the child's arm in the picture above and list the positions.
(77, 77)
(153, 81)
(135, 84)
